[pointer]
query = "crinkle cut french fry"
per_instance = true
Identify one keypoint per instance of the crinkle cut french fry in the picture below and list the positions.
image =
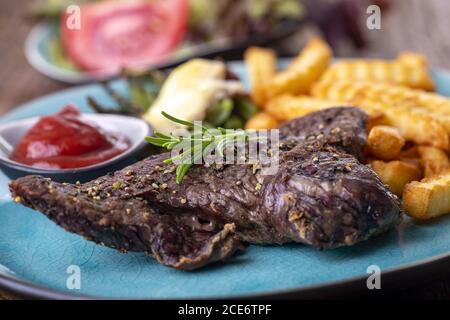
(433, 160)
(375, 119)
(303, 71)
(418, 126)
(396, 174)
(385, 142)
(410, 155)
(443, 119)
(261, 66)
(414, 161)
(393, 95)
(428, 198)
(411, 152)
(262, 120)
(406, 71)
(412, 59)
(287, 106)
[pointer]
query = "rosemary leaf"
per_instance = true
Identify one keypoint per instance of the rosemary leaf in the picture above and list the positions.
(196, 144)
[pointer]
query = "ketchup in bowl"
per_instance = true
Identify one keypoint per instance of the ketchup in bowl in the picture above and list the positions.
(63, 141)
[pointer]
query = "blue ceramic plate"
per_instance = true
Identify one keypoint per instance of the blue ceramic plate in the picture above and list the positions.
(35, 254)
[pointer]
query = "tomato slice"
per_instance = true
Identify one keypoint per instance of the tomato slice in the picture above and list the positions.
(117, 34)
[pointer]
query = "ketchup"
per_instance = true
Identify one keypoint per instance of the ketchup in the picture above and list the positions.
(63, 141)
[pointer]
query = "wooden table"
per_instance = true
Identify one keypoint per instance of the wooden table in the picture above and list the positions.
(419, 25)
(19, 81)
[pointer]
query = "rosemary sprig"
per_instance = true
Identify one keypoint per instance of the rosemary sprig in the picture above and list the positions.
(196, 143)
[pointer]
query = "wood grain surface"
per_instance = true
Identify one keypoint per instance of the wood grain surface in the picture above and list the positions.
(418, 25)
(19, 81)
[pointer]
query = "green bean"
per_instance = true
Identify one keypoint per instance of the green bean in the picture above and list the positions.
(245, 108)
(219, 113)
(234, 122)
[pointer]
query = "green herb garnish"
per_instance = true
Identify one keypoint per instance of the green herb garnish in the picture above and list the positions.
(202, 139)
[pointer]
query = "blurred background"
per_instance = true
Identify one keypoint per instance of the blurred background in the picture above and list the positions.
(419, 25)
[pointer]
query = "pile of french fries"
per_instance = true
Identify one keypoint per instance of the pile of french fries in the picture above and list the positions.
(408, 132)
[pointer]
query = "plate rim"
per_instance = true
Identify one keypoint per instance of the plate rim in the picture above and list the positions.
(22, 288)
(40, 64)
(328, 289)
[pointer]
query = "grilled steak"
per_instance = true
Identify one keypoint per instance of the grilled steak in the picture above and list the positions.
(321, 195)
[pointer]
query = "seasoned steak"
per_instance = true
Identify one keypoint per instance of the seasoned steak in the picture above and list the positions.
(321, 195)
